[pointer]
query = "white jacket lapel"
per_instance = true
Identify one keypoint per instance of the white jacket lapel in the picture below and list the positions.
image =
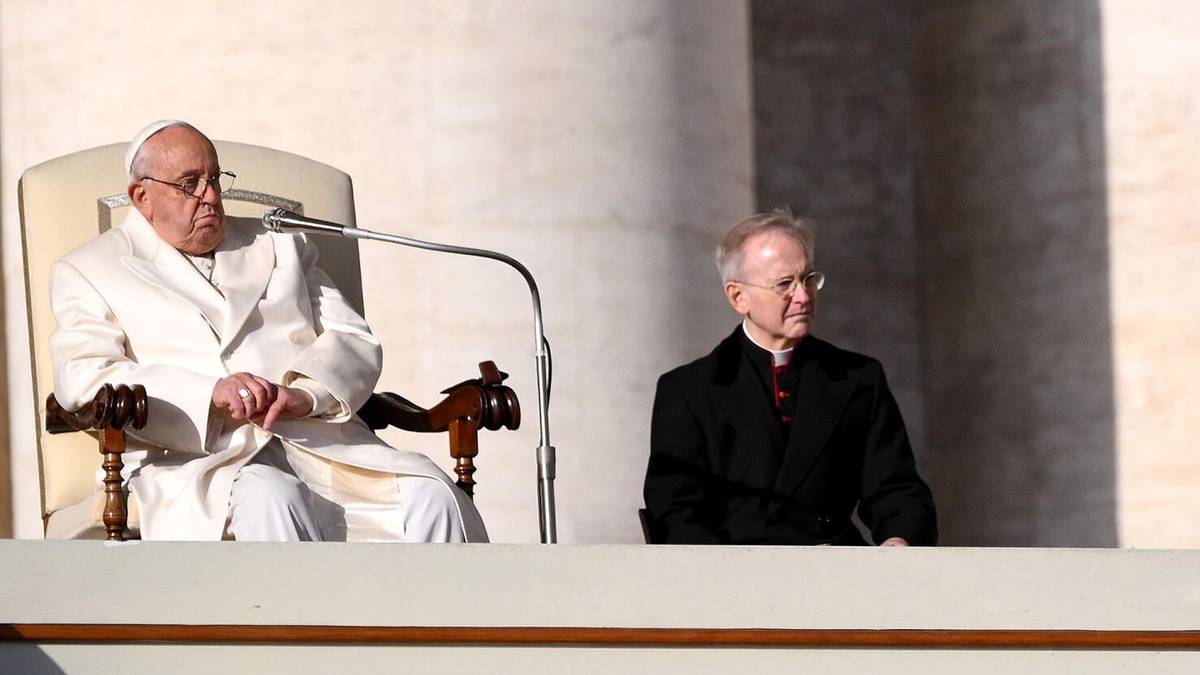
(162, 266)
(244, 263)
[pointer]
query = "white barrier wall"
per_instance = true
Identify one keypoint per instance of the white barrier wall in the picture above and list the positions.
(715, 609)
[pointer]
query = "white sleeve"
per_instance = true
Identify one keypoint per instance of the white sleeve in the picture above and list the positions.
(345, 359)
(325, 406)
(88, 349)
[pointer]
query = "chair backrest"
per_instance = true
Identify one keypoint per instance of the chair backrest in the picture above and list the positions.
(69, 200)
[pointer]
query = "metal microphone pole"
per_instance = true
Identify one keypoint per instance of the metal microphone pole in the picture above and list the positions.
(545, 452)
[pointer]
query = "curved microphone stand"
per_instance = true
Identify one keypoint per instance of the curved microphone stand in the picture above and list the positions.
(281, 220)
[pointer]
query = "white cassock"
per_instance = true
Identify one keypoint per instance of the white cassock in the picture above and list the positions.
(133, 310)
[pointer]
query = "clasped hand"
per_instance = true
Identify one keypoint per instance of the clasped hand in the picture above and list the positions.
(250, 397)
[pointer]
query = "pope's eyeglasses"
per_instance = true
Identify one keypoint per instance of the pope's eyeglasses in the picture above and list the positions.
(196, 186)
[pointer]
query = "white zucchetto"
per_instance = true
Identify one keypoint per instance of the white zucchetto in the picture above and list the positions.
(143, 136)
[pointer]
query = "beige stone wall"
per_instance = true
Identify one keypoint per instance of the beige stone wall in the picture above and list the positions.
(1152, 129)
(603, 144)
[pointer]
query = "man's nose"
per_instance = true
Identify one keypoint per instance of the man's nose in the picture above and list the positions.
(801, 296)
(211, 194)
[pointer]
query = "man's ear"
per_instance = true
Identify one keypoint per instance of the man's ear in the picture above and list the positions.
(140, 199)
(736, 298)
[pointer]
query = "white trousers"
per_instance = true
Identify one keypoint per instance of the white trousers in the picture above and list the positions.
(288, 494)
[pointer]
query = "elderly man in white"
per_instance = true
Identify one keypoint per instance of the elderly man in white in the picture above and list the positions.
(254, 363)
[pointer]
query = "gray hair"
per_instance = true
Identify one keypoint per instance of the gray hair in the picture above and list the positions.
(729, 251)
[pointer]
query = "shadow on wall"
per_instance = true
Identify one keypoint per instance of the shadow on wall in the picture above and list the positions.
(708, 161)
(1013, 214)
(954, 154)
(712, 169)
(835, 95)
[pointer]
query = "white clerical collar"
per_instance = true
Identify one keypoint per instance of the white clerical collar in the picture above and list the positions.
(779, 357)
(204, 263)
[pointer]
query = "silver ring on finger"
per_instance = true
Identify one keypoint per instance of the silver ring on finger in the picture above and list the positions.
(244, 392)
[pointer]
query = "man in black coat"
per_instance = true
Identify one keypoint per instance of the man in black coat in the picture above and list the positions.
(777, 437)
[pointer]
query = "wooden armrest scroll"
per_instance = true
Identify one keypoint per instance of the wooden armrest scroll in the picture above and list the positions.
(111, 412)
(469, 405)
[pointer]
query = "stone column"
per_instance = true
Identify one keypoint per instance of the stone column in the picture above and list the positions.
(1018, 343)
(607, 145)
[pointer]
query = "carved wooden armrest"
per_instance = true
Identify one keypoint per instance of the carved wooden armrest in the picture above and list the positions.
(111, 411)
(469, 405)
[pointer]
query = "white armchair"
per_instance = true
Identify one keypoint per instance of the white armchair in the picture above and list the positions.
(69, 200)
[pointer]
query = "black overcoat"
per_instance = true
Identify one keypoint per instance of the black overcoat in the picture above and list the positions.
(724, 469)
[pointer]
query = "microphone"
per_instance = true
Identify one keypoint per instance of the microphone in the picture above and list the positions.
(284, 221)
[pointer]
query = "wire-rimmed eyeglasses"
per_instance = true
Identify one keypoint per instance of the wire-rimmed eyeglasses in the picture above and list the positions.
(813, 281)
(196, 186)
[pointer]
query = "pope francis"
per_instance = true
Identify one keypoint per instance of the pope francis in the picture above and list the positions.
(254, 363)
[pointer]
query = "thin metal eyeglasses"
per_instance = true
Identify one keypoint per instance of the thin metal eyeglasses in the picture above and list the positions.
(813, 281)
(195, 186)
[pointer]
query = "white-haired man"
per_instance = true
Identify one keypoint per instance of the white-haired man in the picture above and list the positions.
(254, 363)
(777, 437)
